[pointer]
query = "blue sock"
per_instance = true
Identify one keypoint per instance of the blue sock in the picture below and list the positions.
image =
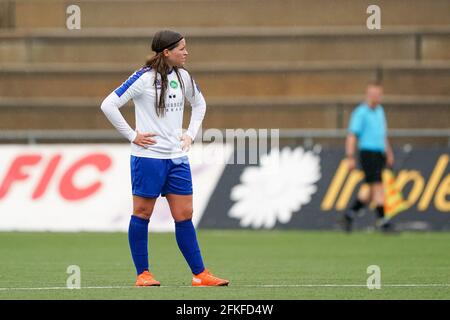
(138, 239)
(187, 242)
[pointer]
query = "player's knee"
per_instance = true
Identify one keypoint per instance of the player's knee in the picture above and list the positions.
(187, 213)
(142, 211)
(379, 195)
(184, 214)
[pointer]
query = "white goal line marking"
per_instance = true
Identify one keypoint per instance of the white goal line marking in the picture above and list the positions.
(425, 285)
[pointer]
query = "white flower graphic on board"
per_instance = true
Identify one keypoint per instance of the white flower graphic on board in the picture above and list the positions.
(271, 192)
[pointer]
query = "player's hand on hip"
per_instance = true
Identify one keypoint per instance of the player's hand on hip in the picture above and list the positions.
(186, 142)
(351, 163)
(144, 139)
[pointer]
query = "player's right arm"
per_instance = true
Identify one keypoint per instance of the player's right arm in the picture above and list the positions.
(130, 89)
(354, 129)
(350, 150)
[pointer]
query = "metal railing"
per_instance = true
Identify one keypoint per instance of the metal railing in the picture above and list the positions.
(112, 136)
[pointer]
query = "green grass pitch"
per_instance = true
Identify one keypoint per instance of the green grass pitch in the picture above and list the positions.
(259, 264)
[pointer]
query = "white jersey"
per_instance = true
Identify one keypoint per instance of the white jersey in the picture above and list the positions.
(140, 87)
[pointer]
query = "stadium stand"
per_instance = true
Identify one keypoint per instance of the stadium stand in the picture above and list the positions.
(266, 64)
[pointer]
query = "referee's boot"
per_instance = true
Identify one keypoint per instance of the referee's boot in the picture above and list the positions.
(346, 221)
(385, 225)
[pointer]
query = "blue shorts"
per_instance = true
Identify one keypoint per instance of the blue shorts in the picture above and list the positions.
(151, 177)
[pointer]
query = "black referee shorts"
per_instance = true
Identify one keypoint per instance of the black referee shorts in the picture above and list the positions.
(372, 163)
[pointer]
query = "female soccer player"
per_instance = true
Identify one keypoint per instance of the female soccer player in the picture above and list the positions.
(159, 164)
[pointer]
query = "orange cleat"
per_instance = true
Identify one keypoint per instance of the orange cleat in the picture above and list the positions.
(145, 279)
(206, 279)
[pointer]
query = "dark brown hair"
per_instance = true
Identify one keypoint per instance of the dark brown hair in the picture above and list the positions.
(164, 39)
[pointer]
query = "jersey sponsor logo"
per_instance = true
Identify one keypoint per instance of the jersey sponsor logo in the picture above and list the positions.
(173, 84)
(158, 84)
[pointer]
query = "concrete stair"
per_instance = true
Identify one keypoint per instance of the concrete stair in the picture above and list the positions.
(259, 63)
(230, 45)
(207, 13)
(243, 112)
(282, 79)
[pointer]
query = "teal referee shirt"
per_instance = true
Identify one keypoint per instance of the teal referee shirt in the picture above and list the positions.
(370, 127)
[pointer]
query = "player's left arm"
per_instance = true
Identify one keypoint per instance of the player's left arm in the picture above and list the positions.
(389, 152)
(198, 104)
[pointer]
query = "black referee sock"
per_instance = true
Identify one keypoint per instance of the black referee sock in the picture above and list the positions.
(380, 211)
(357, 205)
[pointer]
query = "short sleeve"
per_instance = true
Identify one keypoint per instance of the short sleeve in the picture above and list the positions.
(356, 122)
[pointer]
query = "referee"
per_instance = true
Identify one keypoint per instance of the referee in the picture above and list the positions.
(367, 134)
